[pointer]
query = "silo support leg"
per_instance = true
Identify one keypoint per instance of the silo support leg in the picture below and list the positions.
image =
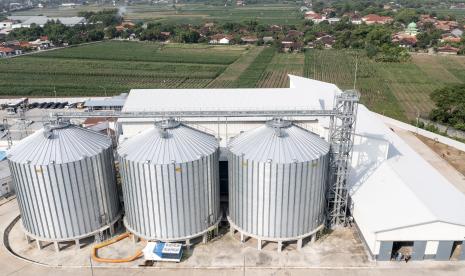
(28, 239)
(188, 243)
(77, 243)
(259, 244)
(313, 238)
(242, 237)
(112, 229)
(231, 230)
(57, 246)
(135, 238)
(204, 238)
(216, 231)
(39, 245)
(299, 244)
(280, 246)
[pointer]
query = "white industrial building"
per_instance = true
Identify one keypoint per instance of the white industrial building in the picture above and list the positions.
(398, 199)
(40, 20)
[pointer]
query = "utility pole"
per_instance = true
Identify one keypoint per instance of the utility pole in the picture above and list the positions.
(356, 69)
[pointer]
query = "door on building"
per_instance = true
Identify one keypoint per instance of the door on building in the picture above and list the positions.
(458, 251)
(418, 252)
(385, 251)
(444, 250)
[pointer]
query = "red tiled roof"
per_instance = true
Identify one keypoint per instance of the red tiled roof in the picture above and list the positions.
(377, 18)
(6, 50)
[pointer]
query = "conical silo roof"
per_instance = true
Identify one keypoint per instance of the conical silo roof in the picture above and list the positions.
(279, 141)
(167, 142)
(60, 143)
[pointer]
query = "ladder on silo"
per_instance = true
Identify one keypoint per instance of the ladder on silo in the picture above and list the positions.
(341, 137)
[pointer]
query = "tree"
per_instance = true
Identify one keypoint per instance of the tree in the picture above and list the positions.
(423, 40)
(450, 106)
(111, 32)
(406, 16)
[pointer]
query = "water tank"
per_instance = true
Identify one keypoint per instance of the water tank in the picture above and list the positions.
(64, 178)
(277, 181)
(170, 182)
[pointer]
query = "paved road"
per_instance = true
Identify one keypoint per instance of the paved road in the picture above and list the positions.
(10, 265)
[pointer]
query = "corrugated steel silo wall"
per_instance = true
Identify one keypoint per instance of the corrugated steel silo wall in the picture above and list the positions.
(277, 200)
(63, 201)
(171, 201)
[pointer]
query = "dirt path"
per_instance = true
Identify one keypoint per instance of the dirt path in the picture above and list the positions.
(233, 71)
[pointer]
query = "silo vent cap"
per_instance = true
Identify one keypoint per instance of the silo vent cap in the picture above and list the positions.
(167, 123)
(164, 125)
(51, 126)
(278, 124)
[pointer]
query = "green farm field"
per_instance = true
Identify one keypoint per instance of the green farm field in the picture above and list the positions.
(114, 67)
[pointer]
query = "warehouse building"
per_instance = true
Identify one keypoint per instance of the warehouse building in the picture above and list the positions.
(400, 203)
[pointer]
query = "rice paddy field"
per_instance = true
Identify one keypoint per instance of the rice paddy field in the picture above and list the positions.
(398, 90)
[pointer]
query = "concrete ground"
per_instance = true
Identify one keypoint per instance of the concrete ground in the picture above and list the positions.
(340, 248)
(443, 166)
(330, 256)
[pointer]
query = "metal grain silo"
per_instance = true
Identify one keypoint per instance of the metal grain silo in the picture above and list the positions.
(64, 178)
(170, 182)
(277, 182)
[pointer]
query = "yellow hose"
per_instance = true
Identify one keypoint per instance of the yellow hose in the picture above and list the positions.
(112, 241)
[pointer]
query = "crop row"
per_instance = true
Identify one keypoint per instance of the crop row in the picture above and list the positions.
(251, 75)
(147, 52)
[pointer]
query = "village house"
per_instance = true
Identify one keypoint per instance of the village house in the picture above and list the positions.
(333, 20)
(426, 18)
(315, 17)
(450, 38)
(447, 50)
(275, 28)
(446, 25)
(354, 18)
(7, 24)
(6, 52)
(404, 40)
(376, 19)
(268, 39)
(326, 40)
(251, 39)
(220, 39)
(457, 32)
(288, 45)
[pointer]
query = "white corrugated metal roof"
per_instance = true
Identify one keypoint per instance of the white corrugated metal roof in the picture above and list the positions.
(179, 144)
(283, 145)
(42, 20)
(404, 190)
(65, 144)
(310, 95)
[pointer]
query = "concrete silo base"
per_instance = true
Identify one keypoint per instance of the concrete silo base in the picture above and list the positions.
(187, 240)
(112, 226)
(299, 239)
